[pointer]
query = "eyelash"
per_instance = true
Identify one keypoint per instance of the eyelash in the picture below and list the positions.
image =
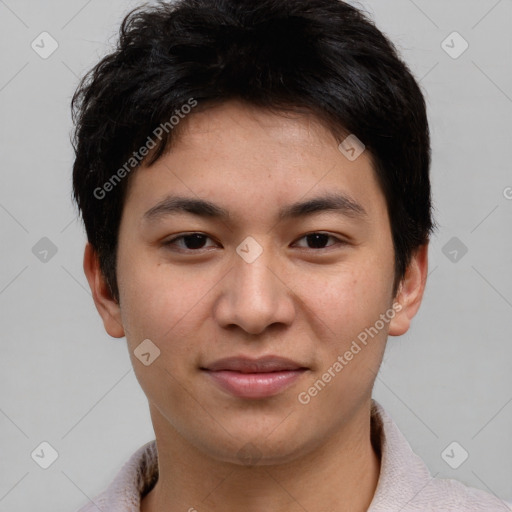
(169, 243)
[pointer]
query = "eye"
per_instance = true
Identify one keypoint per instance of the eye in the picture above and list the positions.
(194, 242)
(319, 240)
(190, 241)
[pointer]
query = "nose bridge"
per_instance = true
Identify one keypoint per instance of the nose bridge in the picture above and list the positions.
(254, 279)
(254, 297)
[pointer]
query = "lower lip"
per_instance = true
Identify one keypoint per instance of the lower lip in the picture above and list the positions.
(255, 385)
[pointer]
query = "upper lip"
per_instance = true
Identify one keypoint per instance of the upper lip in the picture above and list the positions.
(248, 365)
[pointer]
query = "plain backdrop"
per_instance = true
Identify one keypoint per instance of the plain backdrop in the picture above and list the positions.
(64, 381)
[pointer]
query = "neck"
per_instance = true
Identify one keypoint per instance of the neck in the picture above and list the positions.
(342, 474)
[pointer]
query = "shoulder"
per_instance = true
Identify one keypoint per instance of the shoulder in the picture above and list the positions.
(405, 483)
(135, 479)
(452, 495)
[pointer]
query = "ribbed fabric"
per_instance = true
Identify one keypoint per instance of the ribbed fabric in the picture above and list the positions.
(404, 485)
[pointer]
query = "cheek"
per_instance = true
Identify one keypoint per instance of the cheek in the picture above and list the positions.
(155, 307)
(162, 304)
(147, 301)
(348, 300)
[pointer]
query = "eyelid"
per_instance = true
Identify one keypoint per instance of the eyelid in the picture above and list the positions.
(183, 235)
(339, 241)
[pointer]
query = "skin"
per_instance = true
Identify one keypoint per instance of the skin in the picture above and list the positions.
(294, 300)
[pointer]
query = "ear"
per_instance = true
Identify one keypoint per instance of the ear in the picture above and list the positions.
(107, 307)
(410, 292)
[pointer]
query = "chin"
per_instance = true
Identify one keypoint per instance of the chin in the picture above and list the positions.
(259, 451)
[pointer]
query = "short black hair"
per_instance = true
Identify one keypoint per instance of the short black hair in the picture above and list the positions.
(325, 57)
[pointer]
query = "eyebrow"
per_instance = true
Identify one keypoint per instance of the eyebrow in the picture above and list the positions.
(335, 202)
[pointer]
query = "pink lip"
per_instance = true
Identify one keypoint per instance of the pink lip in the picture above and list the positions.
(254, 378)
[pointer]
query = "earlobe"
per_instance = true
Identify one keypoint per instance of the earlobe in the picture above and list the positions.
(410, 293)
(107, 307)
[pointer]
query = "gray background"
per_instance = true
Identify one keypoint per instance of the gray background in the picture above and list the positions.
(65, 381)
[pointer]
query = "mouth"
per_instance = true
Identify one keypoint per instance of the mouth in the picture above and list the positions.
(254, 378)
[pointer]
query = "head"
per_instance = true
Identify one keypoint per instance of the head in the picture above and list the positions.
(215, 117)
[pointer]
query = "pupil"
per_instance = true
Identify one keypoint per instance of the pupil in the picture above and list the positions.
(194, 241)
(317, 239)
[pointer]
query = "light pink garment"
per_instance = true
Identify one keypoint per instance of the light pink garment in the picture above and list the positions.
(405, 484)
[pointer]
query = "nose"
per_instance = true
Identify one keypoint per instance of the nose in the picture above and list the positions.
(255, 296)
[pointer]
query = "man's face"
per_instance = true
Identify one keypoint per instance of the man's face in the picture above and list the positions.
(254, 285)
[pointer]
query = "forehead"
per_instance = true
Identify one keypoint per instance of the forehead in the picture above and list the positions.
(244, 159)
(252, 125)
